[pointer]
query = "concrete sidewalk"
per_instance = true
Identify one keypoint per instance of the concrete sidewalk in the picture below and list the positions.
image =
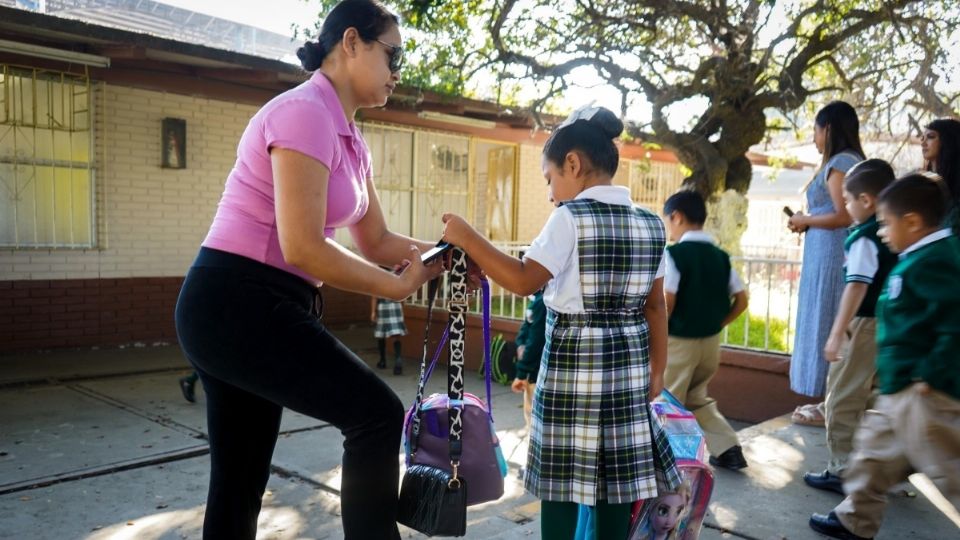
(100, 444)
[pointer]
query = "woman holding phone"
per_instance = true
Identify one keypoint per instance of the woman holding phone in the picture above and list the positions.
(249, 313)
(837, 138)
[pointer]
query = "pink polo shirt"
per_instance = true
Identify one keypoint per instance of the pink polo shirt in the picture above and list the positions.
(310, 120)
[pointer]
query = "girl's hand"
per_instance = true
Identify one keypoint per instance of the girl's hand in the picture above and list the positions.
(798, 223)
(518, 385)
(474, 275)
(456, 230)
(656, 387)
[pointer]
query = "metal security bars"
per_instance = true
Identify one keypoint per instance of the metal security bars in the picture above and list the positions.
(46, 159)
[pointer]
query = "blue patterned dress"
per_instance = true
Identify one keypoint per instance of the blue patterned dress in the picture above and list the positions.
(821, 285)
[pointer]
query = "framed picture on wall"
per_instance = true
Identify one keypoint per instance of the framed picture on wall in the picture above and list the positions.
(173, 143)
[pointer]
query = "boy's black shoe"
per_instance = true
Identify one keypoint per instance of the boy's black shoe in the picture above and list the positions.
(186, 387)
(398, 369)
(382, 364)
(825, 481)
(830, 525)
(731, 459)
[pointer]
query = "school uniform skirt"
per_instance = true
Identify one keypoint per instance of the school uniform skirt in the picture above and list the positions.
(389, 320)
(592, 436)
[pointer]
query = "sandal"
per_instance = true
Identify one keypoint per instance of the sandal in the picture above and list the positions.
(808, 415)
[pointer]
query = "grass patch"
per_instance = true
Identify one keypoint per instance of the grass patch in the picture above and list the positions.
(756, 337)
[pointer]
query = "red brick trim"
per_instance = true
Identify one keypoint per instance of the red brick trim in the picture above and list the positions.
(54, 314)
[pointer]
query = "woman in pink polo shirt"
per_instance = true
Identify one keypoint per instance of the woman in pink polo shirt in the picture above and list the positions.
(248, 316)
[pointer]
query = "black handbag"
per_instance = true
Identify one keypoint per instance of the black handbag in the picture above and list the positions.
(433, 500)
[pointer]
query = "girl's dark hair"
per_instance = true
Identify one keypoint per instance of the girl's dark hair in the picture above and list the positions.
(369, 17)
(593, 138)
(844, 126)
(948, 159)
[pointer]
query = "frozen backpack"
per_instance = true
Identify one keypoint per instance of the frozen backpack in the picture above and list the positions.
(679, 514)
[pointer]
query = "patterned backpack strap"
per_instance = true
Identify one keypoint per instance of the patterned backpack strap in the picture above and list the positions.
(457, 307)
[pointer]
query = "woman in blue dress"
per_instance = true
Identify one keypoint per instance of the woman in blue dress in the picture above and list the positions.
(837, 137)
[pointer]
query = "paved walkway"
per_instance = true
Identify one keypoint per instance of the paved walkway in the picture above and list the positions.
(100, 445)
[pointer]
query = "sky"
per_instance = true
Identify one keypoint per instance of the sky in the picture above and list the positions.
(278, 18)
(283, 13)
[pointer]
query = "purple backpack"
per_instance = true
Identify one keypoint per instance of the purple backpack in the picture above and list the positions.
(426, 427)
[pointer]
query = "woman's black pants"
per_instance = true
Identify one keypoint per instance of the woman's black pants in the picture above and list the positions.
(253, 333)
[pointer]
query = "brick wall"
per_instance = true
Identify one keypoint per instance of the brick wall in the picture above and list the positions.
(150, 222)
(51, 314)
(533, 206)
(47, 314)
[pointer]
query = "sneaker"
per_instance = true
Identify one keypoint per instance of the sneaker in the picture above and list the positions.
(398, 369)
(382, 364)
(186, 387)
(826, 481)
(829, 525)
(731, 459)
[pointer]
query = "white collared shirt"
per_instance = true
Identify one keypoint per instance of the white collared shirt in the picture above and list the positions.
(555, 248)
(671, 279)
(928, 239)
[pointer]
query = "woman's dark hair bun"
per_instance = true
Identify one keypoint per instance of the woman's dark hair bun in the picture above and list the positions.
(369, 17)
(311, 55)
(607, 122)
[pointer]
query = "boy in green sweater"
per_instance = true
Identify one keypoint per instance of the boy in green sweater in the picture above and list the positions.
(530, 342)
(851, 347)
(699, 283)
(915, 425)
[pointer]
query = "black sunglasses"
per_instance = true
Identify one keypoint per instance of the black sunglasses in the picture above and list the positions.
(396, 56)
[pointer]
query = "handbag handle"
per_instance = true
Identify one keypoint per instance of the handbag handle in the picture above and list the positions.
(415, 428)
(487, 357)
(457, 306)
(455, 331)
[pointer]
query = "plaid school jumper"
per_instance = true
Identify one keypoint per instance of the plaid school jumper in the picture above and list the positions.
(389, 319)
(592, 438)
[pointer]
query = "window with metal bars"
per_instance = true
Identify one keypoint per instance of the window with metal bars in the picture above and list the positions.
(46, 159)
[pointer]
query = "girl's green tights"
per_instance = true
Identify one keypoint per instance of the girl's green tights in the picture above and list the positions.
(558, 520)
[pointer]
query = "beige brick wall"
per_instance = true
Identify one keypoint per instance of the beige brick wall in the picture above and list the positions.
(150, 221)
(533, 208)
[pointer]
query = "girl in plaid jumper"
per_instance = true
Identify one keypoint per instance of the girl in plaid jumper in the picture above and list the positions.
(387, 317)
(592, 440)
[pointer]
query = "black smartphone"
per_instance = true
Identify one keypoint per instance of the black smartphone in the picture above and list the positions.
(788, 211)
(434, 252)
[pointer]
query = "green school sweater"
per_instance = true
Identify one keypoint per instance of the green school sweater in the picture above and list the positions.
(533, 336)
(703, 296)
(885, 262)
(918, 320)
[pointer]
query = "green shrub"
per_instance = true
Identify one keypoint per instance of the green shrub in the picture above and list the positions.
(778, 340)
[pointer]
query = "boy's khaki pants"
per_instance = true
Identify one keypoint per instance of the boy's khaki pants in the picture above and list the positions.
(907, 432)
(691, 363)
(849, 390)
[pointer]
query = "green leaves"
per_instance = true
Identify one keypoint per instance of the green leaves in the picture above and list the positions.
(745, 58)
